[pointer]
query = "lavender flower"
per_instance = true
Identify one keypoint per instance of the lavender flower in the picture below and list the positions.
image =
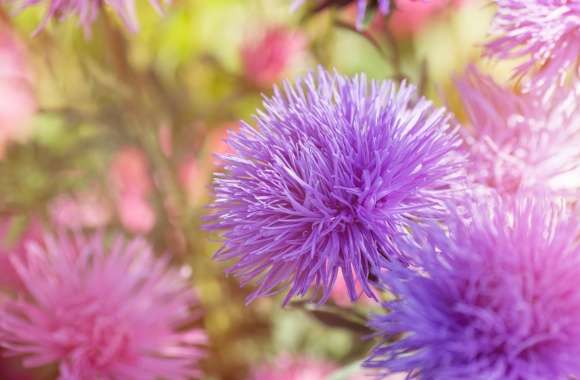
(519, 142)
(88, 10)
(544, 32)
(335, 171)
(496, 298)
(384, 7)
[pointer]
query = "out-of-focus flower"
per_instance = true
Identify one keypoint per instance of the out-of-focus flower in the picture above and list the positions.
(267, 59)
(132, 185)
(18, 103)
(496, 297)
(521, 142)
(216, 144)
(136, 214)
(13, 246)
(336, 170)
(411, 16)
(102, 313)
(194, 179)
(340, 293)
(87, 11)
(83, 210)
(384, 7)
(544, 32)
(294, 368)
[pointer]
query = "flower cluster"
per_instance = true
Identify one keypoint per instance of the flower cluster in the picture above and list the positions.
(334, 173)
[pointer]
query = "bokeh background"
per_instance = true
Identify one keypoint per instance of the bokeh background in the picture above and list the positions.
(112, 130)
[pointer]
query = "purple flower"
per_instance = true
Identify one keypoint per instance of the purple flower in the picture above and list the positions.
(334, 172)
(384, 7)
(88, 10)
(521, 142)
(102, 313)
(496, 298)
(546, 33)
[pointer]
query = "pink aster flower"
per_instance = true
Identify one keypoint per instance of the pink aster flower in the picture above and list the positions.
(545, 33)
(268, 58)
(17, 99)
(294, 368)
(102, 312)
(411, 16)
(132, 186)
(12, 244)
(521, 141)
(88, 10)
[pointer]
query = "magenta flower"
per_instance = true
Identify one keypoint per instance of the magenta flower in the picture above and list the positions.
(267, 59)
(384, 7)
(521, 142)
(546, 33)
(102, 313)
(88, 10)
(18, 102)
(496, 298)
(336, 170)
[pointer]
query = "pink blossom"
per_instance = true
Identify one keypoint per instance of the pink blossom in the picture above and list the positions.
(411, 16)
(215, 143)
(267, 59)
(340, 296)
(102, 312)
(17, 100)
(82, 210)
(136, 214)
(294, 368)
(132, 188)
(13, 246)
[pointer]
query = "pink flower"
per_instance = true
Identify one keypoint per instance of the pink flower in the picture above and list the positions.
(17, 100)
(82, 210)
(411, 16)
(267, 59)
(215, 143)
(194, 180)
(294, 368)
(136, 214)
(13, 246)
(132, 187)
(102, 312)
(340, 296)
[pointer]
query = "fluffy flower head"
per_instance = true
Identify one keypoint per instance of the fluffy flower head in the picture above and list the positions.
(102, 313)
(519, 142)
(335, 171)
(546, 33)
(496, 298)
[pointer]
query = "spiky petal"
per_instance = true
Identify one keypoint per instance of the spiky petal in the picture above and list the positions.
(102, 313)
(521, 142)
(496, 298)
(334, 172)
(545, 33)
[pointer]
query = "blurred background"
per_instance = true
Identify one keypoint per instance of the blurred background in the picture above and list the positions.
(114, 130)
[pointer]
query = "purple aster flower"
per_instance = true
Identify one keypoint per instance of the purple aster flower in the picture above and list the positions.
(335, 171)
(521, 141)
(544, 32)
(496, 298)
(88, 10)
(384, 7)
